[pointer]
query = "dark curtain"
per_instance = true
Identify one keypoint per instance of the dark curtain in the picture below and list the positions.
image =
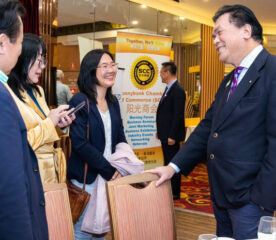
(31, 21)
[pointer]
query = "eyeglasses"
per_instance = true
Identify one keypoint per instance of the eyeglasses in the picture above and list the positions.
(106, 66)
(42, 63)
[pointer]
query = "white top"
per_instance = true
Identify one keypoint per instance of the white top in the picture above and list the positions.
(107, 133)
(107, 150)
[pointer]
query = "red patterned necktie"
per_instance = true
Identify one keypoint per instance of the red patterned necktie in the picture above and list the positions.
(235, 80)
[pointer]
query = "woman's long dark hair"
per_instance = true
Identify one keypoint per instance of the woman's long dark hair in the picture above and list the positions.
(88, 80)
(18, 81)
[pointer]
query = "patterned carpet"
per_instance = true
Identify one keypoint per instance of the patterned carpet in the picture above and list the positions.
(195, 192)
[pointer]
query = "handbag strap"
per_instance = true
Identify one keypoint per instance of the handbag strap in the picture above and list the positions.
(87, 135)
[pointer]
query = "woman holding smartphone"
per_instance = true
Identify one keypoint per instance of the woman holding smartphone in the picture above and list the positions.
(43, 125)
(97, 76)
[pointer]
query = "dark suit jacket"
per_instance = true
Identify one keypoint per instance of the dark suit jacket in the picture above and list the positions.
(170, 115)
(22, 207)
(92, 151)
(239, 139)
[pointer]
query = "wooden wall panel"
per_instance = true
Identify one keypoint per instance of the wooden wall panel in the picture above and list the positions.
(187, 55)
(212, 70)
(47, 80)
(68, 57)
(68, 60)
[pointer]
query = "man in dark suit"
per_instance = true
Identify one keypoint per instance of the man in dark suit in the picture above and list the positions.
(238, 133)
(22, 206)
(170, 119)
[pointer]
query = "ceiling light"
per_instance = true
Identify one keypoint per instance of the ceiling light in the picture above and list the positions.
(134, 22)
(181, 18)
(166, 30)
(143, 6)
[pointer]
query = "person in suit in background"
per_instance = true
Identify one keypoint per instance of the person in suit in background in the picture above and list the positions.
(102, 111)
(63, 91)
(170, 120)
(238, 133)
(22, 206)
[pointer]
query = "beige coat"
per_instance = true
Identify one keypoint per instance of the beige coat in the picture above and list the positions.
(41, 135)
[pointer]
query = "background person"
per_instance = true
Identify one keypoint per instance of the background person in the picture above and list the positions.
(22, 207)
(170, 119)
(41, 123)
(63, 92)
(97, 75)
(238, 134)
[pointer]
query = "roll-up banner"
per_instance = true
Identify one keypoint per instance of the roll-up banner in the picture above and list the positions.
(139, 88)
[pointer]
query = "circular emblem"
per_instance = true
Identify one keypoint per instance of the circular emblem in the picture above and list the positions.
(144, 72)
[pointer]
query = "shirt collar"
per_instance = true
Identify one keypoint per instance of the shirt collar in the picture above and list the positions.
(3, 77)
(171, 83)
(249, 59)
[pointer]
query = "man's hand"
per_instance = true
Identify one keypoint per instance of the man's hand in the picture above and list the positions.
(164, 173)
(171, 141)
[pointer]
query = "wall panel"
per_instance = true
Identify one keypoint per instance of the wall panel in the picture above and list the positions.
(48, 83)
(212, 70)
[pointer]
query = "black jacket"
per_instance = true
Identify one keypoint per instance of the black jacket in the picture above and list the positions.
(170, 115)
(92, 151)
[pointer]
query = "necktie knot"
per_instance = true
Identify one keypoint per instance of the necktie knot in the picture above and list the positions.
(237, 72)
(235, 79)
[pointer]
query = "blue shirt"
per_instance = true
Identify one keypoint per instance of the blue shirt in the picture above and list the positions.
(169, 86)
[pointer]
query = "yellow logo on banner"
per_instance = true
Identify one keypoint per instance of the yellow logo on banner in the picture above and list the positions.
(144, 72)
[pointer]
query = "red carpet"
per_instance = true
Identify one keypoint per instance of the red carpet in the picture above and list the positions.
(195, 192)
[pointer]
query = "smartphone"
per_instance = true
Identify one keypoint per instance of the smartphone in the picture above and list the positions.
(78, 107)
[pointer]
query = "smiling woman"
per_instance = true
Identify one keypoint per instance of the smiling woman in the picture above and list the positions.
(102, 119)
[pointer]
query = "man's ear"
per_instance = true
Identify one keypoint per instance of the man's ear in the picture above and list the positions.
(247, 31)
(3, 41)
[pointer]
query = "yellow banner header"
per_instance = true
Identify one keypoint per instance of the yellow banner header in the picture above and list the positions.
(142, 43)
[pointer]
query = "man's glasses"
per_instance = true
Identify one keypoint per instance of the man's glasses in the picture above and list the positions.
(106, 66)
(42, 63)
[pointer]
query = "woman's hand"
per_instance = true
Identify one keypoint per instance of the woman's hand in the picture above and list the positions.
(116, 175)
(67, 119)
(61, 117)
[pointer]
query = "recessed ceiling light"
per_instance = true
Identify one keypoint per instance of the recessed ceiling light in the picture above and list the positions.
(181, 18)
(166, 30)
(143, 6)
(134, 22)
